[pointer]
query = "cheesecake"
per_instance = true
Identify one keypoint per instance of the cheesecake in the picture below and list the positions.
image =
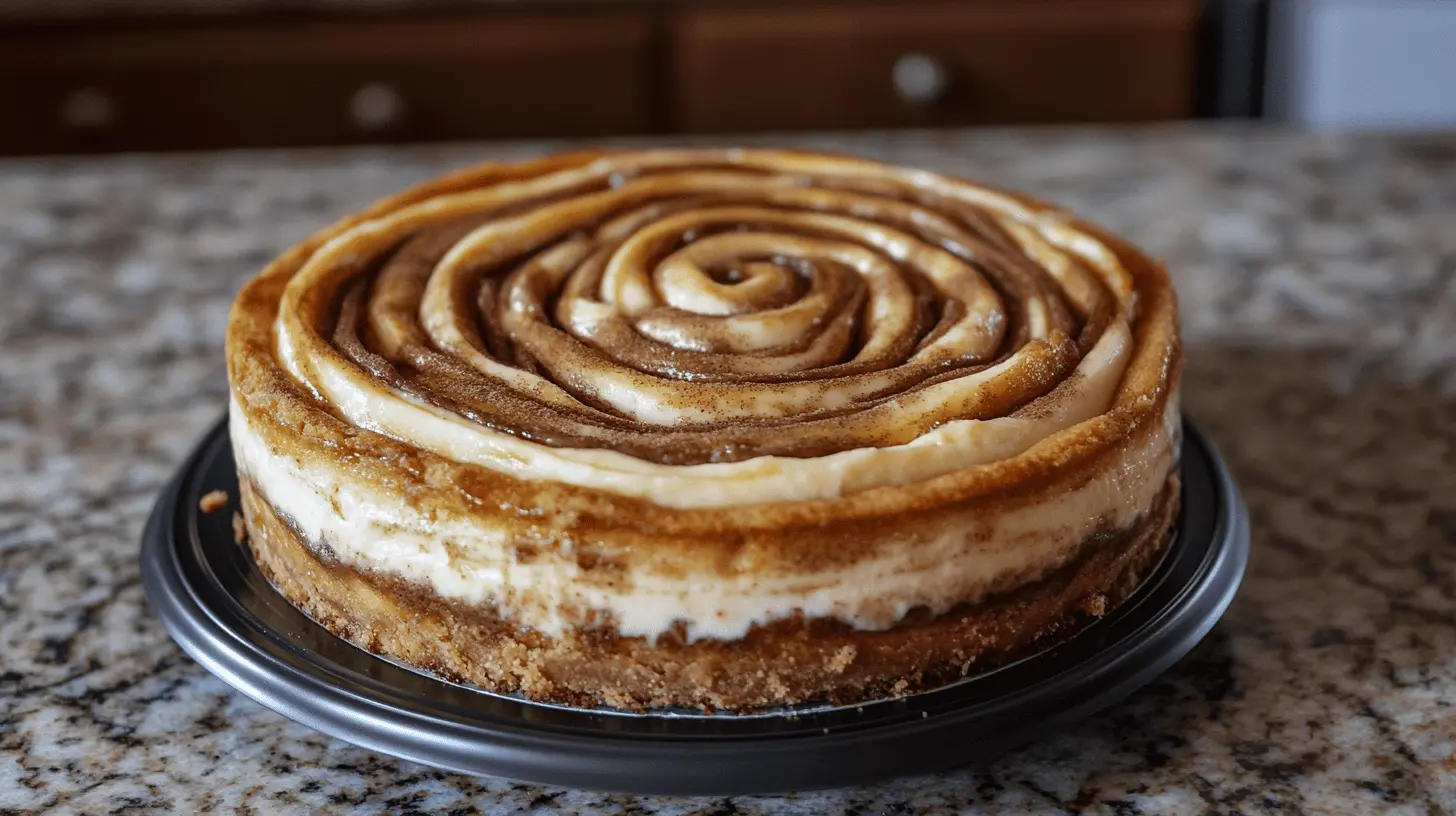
(714, 428)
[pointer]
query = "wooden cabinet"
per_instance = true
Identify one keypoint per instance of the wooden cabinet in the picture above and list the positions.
(635, 66)
(929, 64)
(325, 82)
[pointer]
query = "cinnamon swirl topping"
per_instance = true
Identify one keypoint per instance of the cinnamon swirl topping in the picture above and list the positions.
(711, 327)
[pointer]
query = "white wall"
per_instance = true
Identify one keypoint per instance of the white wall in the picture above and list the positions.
(1363, 64)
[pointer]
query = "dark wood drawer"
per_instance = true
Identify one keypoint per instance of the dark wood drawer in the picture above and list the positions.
(327, 82)
(934, 63)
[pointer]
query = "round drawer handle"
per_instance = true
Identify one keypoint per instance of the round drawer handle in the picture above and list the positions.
(920, 79)
(376, 108)
(88, 109)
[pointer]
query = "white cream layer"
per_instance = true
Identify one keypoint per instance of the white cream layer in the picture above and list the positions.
(466, 559)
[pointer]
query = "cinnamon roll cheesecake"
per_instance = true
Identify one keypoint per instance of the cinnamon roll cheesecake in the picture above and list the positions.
(724, 429)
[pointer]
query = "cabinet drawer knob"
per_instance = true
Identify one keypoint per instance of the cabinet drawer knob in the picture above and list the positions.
(87, 109)
(920, 79)
(376, 108)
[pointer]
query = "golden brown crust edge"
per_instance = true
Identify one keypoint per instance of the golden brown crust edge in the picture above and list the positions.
(788, 662)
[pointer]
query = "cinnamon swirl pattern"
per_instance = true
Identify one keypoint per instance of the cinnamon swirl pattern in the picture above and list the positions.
(623, 426)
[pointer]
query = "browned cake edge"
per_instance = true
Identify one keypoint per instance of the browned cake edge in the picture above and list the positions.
(790, 661)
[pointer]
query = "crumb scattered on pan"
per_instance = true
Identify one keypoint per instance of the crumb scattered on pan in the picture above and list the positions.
(240, 531)
(842, 658)
(216, 500)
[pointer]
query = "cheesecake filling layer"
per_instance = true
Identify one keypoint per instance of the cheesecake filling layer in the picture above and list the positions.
(465, 557)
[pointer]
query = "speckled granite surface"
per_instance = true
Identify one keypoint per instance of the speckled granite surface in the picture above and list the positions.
(1318, 278)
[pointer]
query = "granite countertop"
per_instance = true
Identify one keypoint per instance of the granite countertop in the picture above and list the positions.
(1318, 282)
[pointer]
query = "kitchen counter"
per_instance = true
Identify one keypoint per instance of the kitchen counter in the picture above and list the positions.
(1318, 284)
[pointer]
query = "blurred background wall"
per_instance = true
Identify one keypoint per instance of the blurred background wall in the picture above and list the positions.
(102, 75)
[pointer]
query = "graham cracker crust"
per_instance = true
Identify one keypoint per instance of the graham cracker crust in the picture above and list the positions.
(790, 661)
